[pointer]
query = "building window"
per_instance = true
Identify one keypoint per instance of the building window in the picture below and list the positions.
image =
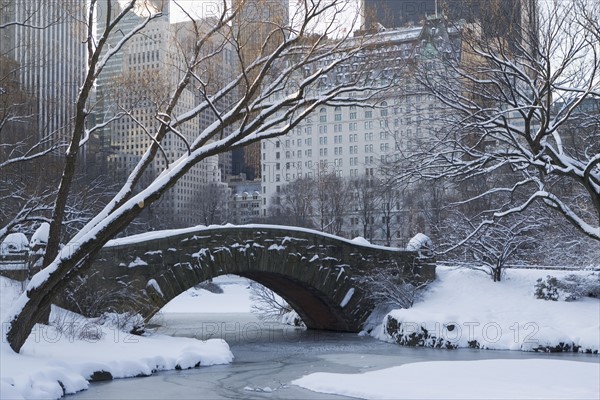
(383, 111)
(323, 114)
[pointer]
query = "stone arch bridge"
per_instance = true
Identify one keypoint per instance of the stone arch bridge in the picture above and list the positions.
(323, 277)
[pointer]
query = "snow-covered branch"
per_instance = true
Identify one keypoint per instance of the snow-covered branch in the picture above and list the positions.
(271, 93)
(517, 119)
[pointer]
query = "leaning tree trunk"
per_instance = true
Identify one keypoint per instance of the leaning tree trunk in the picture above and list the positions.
(41, 297)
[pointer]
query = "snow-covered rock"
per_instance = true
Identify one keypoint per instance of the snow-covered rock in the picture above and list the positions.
(422, 244)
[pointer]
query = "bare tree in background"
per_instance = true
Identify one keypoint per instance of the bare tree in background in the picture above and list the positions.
(267, 304)
(285, 88)
(365, 194)
(332, 198)
(513, 101)
(495, 246)
(294, 204)
(212, 204)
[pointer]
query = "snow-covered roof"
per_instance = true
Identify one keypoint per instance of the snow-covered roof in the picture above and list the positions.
(13, 243)
(41, 235)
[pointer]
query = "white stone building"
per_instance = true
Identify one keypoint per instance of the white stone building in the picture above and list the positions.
(354, 141)
(47, 45)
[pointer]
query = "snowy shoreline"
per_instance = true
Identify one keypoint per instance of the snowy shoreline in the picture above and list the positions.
(465, 309)
(502, 315)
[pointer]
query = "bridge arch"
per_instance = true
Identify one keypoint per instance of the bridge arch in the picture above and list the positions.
(321, 276)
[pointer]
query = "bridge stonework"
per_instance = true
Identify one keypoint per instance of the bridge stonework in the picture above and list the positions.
(321, 276)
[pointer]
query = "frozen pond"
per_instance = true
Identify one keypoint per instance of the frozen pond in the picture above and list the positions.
(269, 356)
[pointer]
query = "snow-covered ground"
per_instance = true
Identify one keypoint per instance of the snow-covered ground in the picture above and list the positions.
(53, 362)
(483, 379)
(501, 315)
(463, 305)
(234, 299)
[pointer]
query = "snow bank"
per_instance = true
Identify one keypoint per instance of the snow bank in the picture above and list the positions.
(234, 299)
(53, 363)
(464, 308)
(499, 379)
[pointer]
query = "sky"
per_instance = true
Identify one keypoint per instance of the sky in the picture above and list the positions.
(210, 8)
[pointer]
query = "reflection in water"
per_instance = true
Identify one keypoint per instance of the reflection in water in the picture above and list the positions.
(268, 356)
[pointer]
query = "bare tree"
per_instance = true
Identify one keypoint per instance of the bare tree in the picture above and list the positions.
(213, 204)
(294, 204)
(25, 200)
(331, 202)
(512, 102)
(269, 105)
(365, 193)
(496, 245)
(392, 287)
(267, 304)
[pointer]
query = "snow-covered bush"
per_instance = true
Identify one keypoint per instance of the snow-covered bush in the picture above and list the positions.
(391, 286)
(125, 322)
(569, 288)
(73, 326)
(292, 318)
(92, 300)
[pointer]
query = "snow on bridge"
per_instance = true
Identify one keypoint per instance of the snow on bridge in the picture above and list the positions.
(320, 275)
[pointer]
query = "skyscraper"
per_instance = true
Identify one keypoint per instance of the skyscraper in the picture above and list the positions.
(256, 28)
(47, 47)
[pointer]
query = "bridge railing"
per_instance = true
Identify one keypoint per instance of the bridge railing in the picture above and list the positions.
(13, 261)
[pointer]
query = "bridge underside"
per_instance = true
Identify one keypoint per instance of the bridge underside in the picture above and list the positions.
(316, 310)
